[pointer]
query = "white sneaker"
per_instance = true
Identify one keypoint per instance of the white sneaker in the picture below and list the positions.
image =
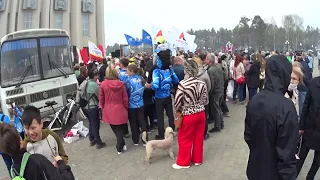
(136, 144)
(124, 148)
(197, 164)
(176, 166)
(119, 153)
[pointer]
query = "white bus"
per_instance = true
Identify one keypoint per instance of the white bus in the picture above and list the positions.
(36, 67)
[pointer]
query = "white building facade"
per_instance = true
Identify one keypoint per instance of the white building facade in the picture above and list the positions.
(83, 19)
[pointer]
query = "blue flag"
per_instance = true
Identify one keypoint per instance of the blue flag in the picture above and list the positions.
(146, 38)
(138, 43)
(132, 41)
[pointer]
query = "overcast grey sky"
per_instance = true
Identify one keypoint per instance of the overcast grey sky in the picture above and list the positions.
(130, 16)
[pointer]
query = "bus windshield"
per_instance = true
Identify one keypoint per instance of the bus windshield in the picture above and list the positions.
(16, 57)
(55, 56)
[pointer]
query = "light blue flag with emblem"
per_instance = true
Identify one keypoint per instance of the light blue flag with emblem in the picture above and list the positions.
(132, 41)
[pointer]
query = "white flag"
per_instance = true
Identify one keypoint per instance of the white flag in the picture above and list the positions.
(94, 50)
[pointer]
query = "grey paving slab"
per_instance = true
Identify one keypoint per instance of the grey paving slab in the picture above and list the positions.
(225, 157)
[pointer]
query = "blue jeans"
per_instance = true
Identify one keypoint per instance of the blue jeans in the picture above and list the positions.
(240, 92)
(7, 160)
(302, 96)
(252, 92)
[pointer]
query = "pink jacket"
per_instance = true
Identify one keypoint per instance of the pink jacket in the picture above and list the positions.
(113, 99)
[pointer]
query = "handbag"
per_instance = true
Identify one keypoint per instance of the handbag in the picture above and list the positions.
(240, 80)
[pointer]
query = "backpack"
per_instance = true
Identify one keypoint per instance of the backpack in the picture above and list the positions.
(82, 97)
(2, 119)
(24, 162)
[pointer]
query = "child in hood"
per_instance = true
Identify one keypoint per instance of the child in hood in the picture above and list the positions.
(163, 77)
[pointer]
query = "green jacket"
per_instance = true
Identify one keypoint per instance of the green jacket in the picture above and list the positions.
(289, 59)
(93, 93)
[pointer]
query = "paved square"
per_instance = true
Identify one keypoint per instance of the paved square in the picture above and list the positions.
(225, 157)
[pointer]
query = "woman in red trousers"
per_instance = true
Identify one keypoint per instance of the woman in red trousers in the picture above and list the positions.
(189, 101)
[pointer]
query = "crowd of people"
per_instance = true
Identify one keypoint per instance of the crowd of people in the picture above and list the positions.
(192, 88)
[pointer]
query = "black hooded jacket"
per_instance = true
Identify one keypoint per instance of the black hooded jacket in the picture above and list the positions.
(39, 167)
(271, 126)
(309, 119)
(102, 72)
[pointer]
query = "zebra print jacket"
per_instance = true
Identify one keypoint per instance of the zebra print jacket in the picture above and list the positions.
(191, 96)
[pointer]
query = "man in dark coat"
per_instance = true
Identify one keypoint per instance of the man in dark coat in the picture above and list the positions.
(253, 78)
(310, 127)
(307, 76)
(179, 70)
(271, 126)
(102, 70)
(216, 76)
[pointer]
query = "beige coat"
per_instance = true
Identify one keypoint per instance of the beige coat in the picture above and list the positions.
(239, 71)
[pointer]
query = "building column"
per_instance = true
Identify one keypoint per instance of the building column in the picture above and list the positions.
(13, 4)
(76, 23)
(4, 19)
(44, 14)
(100, 22)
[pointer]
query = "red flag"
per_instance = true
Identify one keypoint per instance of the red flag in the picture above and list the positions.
(102, 49)
(181, 36)
(159, 33)
(84, 55)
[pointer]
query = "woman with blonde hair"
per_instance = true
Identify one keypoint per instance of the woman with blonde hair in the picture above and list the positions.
(113, 99)
(296, 78)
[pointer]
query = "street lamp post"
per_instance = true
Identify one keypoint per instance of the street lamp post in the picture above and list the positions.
(287, 43)
(300, 46)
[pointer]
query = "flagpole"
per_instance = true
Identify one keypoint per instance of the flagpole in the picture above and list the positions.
(142, 48)
(129, 50)
(89, 54)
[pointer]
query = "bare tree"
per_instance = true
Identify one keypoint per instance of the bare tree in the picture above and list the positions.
(293, 25)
